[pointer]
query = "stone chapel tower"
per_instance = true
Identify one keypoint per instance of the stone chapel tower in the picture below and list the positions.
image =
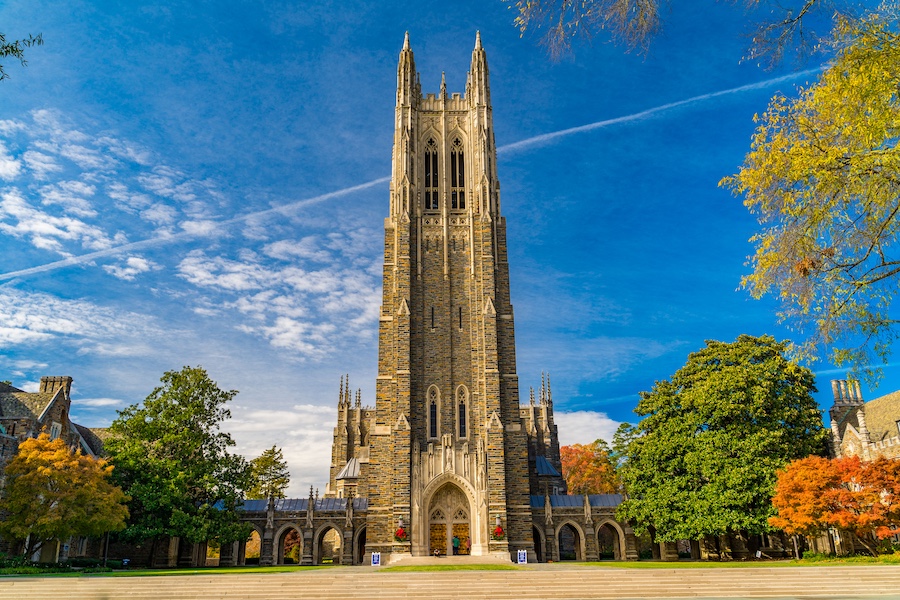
(447, 451)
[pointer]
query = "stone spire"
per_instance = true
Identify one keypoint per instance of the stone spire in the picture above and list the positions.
(407, 78)
(478, 89)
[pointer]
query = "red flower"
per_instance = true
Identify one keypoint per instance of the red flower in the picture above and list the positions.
(400, 535)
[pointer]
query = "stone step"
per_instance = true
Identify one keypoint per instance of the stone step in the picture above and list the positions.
(540, 581)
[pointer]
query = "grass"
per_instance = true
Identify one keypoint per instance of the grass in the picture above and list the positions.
(816, 561)
(168, 572)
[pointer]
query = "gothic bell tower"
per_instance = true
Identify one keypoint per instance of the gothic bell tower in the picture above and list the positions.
(448, 453)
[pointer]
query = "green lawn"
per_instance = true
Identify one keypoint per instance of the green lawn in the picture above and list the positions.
(164, 572)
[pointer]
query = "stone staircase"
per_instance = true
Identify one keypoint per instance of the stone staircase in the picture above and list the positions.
(533, 581)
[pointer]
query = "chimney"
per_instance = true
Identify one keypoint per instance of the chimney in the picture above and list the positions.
(49, 385)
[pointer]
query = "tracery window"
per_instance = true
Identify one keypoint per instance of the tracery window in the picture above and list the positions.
(457, 176)
(431, 175)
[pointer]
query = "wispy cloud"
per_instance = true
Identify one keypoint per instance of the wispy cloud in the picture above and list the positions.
(162, 181)
(34, 317)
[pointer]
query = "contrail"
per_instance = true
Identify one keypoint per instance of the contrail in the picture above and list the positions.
(508, 148)
(148, 243)
(546, 137)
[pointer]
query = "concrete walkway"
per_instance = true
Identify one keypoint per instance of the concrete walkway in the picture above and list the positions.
(535, 581)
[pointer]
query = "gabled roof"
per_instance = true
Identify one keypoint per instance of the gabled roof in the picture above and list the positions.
(23, 405)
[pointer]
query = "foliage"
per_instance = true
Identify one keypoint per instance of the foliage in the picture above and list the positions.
(815, 493)
(704, 457)
(634, 23)
(16, 49)
(589, 469)
(269, 475)
(822, 177)
(53, 492)
(173, 459)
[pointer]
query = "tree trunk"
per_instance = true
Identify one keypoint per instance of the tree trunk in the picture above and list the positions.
(867, 543)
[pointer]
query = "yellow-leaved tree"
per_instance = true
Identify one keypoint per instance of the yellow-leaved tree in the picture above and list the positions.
(823, 177)
(53, 493)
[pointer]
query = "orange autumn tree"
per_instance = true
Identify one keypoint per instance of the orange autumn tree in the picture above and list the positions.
(588, 469)
(815, 493)
(53, 493)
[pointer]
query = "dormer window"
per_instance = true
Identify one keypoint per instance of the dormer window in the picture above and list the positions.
(431, 175)
(457, 176)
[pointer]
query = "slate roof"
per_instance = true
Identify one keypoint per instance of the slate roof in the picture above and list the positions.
(543, 467)
(22, 405)
(350, 470)
(296, 504)
(882, 415)
(566, 501)
(93, 437)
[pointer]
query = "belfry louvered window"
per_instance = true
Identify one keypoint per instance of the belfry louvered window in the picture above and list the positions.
(431, 175)
(457, 176)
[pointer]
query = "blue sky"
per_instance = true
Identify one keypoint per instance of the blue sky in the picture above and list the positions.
(204, 183)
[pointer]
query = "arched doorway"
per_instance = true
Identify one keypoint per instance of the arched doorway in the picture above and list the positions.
(289, 547)
(328, 547)
(538, 543)
(608, 542)
(448, 517)
(359, 550)
(571, 543)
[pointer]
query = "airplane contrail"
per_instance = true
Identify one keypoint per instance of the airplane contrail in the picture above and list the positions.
(546, 137)
(505, 149)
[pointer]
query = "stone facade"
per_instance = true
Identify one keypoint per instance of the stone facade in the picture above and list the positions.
(448, 451)
(868, 430)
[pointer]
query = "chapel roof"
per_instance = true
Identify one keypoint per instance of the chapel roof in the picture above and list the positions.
(882, 415)
(16, 404)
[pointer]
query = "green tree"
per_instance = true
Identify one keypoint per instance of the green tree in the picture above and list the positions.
(704, 457)
(822, 177)
(172, 458)
(16, 49)
(53, 493)
(269, 475)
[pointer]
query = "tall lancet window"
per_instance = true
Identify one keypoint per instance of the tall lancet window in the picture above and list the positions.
(461, 406)
(431, 175)
(433, 412)
(457, 176)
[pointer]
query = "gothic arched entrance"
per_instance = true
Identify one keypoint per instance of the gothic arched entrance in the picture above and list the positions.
(448, 517)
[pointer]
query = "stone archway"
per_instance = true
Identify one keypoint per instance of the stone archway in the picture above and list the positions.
(610, 541)
(359, 549)
(288, 547)
(449, 516)
(327, 545)
(539, 543)
(570, 542)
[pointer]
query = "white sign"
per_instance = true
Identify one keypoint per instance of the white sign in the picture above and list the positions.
(376, 559)
(523, 557)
